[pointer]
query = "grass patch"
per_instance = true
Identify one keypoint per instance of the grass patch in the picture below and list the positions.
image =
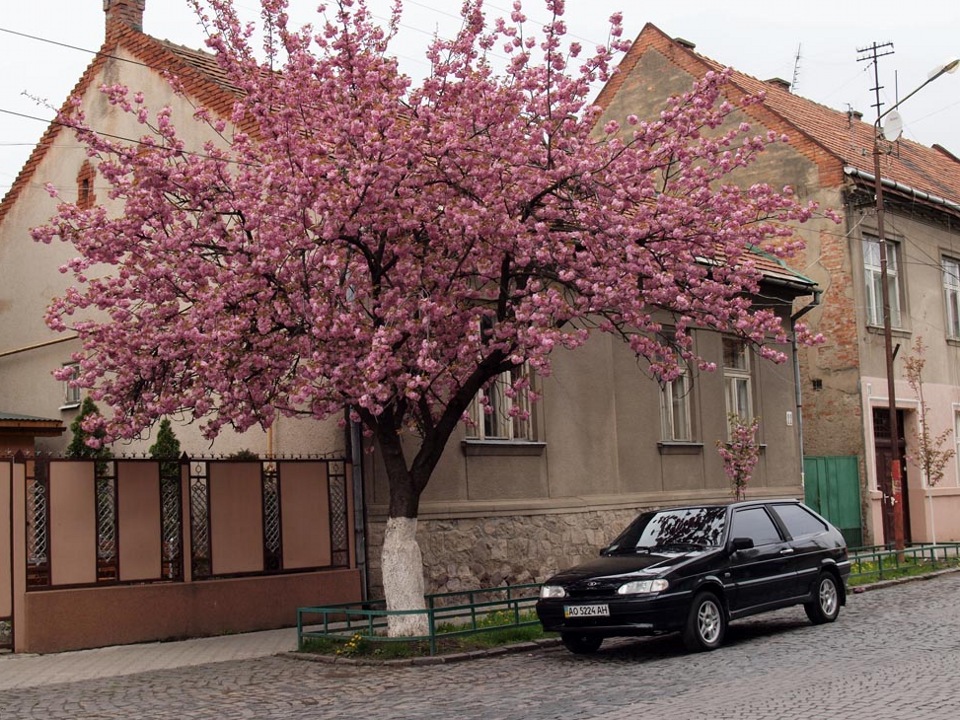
(869, 571)
(492, 631)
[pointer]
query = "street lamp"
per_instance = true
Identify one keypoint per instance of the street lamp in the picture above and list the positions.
(892, 487)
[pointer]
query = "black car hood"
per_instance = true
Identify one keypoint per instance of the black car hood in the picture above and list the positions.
(642, 564)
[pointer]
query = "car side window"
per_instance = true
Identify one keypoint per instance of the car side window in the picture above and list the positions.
(754, 523)
(799, 521)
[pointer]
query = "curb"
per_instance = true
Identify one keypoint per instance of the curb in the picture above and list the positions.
(514, 649)
(880, 585)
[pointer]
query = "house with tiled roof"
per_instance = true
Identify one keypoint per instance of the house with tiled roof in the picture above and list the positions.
(845, 401)
(512, 498)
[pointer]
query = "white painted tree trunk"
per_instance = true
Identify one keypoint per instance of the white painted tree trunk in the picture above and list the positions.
(403, 577)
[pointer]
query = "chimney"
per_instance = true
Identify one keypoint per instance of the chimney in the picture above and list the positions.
(779, 83)
(127, 12)
(853, 116)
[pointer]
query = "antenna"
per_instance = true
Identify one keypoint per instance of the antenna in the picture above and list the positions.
(796, 70)
(873, 53)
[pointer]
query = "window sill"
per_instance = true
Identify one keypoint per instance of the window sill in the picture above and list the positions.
(895, 331)
(680, 448)
(69, 406)
(479, 448)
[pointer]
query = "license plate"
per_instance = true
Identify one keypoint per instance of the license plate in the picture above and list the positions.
(573, 611)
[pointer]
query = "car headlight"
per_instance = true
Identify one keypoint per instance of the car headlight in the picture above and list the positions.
(638, 587)
(552, 591)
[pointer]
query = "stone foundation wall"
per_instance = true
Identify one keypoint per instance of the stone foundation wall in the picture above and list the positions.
(469, 553)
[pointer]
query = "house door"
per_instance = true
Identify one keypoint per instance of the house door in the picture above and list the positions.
(883, 450)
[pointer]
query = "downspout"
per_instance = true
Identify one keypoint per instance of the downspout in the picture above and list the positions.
(359, 506)
(817, 294)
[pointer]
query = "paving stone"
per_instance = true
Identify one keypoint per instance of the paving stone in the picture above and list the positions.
(894, 653)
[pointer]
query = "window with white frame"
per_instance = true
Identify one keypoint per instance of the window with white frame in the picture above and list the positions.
(675, 410)
(500, 411)
(873, 280)
(951, 291)
(71, 393)
(736, 378)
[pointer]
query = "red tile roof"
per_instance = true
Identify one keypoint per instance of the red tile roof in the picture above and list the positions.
(199, 73)
(847, 141)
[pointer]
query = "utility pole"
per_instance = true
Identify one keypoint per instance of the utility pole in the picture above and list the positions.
(891, 485)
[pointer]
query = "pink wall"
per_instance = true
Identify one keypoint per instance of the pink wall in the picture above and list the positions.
(6, 540)
(75, 611)
(306, 513)
(71, 619)
(138, 520)
(73, 527)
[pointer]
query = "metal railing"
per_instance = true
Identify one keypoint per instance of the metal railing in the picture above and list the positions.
(882, 562)
(448, 615)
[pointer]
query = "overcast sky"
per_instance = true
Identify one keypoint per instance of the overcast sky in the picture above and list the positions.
(749, 35)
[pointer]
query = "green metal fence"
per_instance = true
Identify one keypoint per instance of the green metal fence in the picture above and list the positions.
(448, 615)
(878, 562)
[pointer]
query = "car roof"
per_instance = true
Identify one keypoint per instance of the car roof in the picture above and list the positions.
(733, 504)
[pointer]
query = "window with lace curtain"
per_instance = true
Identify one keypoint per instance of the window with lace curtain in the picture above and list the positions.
(501, 413)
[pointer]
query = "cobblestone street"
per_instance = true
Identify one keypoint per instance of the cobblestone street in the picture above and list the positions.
(894, 653)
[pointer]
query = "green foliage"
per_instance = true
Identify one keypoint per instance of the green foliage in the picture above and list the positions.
(492, 630)
(167, 447)
(79, 446)
(243, 455)
(866, 572)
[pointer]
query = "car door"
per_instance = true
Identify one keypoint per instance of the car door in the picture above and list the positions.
(764, 575)
(808, 535)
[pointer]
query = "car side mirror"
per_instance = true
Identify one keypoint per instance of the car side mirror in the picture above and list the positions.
(741, 543)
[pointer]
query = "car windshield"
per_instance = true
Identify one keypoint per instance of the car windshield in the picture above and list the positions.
(681, 529)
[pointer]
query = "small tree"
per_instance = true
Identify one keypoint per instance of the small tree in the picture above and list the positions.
(928, 449)
(88, 436)
(741, 453)
(929, 452)
(166, 448)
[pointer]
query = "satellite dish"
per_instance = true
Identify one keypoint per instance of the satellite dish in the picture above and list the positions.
(893, 126)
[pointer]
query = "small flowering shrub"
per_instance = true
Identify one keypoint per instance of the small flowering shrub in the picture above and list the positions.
(741, 453)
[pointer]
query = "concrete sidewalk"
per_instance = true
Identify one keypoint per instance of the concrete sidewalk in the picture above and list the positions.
(25, 671)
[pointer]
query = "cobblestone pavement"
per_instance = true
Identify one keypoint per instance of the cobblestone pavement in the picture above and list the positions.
(893, 654)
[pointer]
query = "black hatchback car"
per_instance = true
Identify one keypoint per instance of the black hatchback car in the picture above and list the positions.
(693, 569)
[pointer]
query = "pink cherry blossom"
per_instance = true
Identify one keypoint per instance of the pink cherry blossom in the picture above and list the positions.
(347, 242)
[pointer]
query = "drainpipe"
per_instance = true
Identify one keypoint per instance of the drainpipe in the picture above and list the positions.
(359, 509)
(817, 294)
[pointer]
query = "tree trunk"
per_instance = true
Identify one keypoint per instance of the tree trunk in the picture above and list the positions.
(402, 566)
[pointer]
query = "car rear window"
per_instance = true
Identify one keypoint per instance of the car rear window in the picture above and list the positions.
(800, 522)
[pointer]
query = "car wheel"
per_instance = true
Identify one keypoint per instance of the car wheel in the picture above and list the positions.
(706, 623)
(581, 643)
(825, 605)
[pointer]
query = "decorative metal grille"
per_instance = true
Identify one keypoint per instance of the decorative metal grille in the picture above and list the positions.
(201, 562)
(272, 550)
(38, 523)
(106, 491)
(6, 634)
(171, 552)
(339, 534)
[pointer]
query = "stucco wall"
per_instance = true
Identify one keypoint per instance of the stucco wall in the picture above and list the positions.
(57, 620)
(29, 279)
